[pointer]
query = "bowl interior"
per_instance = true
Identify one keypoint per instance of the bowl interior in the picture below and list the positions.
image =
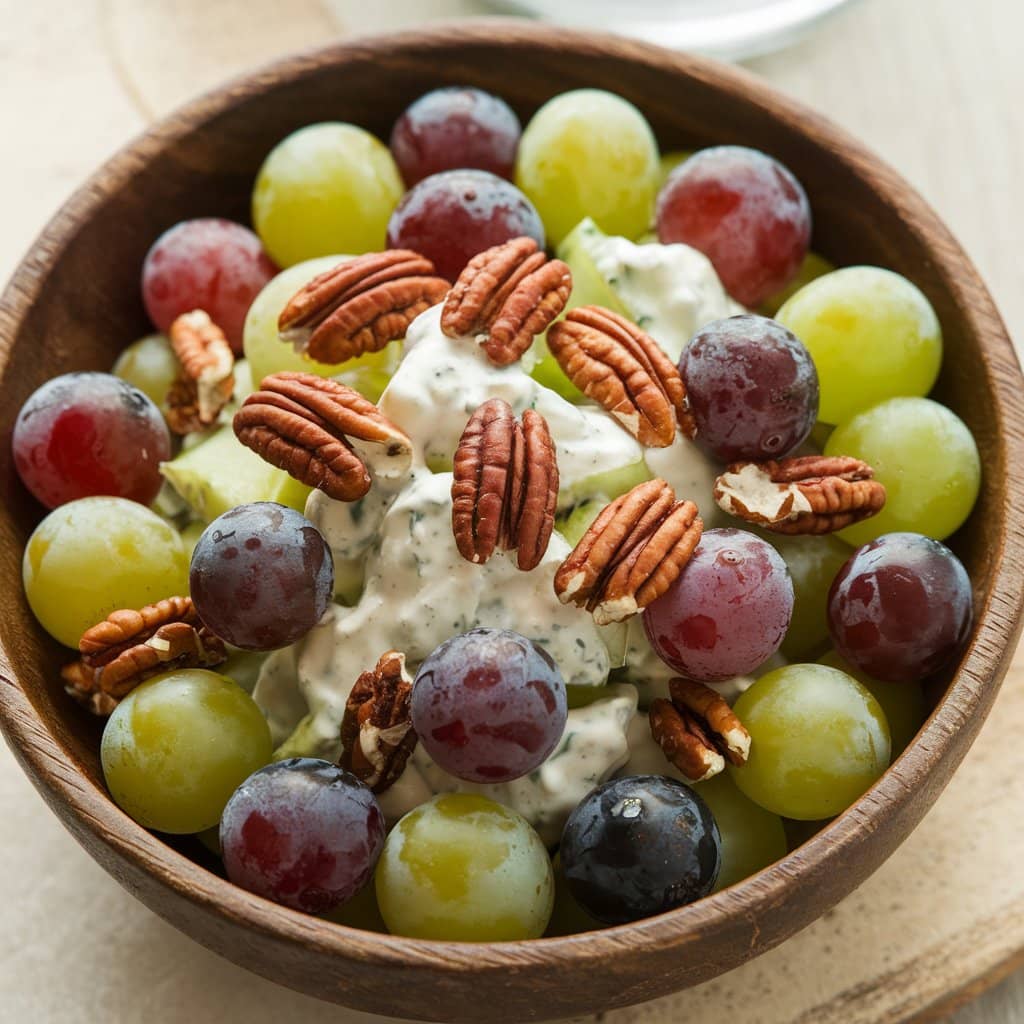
(75, 303)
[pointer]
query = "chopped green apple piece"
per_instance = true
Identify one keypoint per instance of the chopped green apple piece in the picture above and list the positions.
(221, 472)
(589, 288)
(349, 577)
(611, 483)
(576, 521)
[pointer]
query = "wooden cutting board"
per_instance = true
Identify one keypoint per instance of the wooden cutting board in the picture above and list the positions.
(944, 917)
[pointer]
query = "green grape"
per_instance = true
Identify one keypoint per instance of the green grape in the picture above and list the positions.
(567, 916)
(190, 534)
(464, 868)
(813, 267)
(872, 334)
(326, 188)
(220, 472)
(820, 433)
(927, 459)
(813, 563)
(361, 911)
(93, 556)
(179, 745)
(150, 365)
(752, 838)
(903, 703)
(818, 740)
(668, 162)
(267, 354)
(589, 153)
(210, 838)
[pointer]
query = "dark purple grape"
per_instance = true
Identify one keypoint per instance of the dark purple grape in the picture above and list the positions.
(489, 705)
(451, 216)
(454, 127)
(752, 388)
(261, 576)
(639, 846)
(745, 212)
(900, 609)
(727, 612)
(302, 832)
(86, 434)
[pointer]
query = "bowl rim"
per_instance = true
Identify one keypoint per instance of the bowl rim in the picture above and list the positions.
(56, 772)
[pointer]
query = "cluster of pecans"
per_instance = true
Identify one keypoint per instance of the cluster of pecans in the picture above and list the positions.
(505, 479)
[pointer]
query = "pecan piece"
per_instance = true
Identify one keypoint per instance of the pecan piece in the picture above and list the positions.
(377, 736)
(504, 485)
(632, 553)
(322, 433)
(625, 371)
(697, 730)
(806, 494)
(206, 382)
(360, 305)
(506, 296)
(129, 646)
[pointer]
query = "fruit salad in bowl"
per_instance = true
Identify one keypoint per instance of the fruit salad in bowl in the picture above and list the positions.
(513, 533)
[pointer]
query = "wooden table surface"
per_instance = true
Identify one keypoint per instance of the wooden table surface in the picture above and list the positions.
(935, 87)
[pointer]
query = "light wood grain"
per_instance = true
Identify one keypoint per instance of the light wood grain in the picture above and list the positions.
(937, 934)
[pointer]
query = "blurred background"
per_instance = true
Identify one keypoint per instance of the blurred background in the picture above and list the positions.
(934, 87)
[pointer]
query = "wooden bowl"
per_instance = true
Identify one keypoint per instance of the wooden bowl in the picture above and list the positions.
(74, 303)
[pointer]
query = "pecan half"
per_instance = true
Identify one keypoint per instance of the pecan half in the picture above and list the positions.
(322, 433)
(504, 485)
(360, 305)
(624, 370)
(206, 382)
(129, 646)
(377, 736)
(632, 553)
(805, 494)
(697, 730)
(506, 296)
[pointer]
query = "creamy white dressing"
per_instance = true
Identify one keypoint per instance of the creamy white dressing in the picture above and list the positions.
(671, 291)
(420, 591)
(442, 381)
(592, 748)
(691, 474)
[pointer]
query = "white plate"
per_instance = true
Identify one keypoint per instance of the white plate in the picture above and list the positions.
(732, 29)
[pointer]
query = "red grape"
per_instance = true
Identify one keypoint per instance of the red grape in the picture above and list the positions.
(728, 610)
(210, 264)
(261, 576)
(489, 705)
(302, 832)
(752, 387)
(745, 212)
(900, 608)
(455, 127)
(87, 434)
(451, 216)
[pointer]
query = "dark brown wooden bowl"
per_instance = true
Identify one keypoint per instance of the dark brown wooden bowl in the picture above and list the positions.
(74, 302)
